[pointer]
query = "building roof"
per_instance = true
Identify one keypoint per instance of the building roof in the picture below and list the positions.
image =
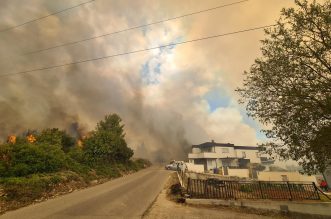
(246, 148)
(212, 144)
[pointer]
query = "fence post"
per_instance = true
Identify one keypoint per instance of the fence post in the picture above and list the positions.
(289, 189)
(316, 191)
(205, 189)
(227, 189)
(234, 192)
(261, 189)
(188, 189)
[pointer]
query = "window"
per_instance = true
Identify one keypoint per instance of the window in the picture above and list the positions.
(284, 177)
(207, 149)
(225, 150)
(244, 154)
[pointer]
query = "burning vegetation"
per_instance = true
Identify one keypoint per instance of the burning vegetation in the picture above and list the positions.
(31, 138)
(101, 153)
(11, 139)
(52, 150)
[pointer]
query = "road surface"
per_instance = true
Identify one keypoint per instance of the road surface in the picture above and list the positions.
(125, 197)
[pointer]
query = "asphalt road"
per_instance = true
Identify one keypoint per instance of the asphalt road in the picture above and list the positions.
(125, 197)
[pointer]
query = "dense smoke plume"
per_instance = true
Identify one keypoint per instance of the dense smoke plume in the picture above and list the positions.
(161, 95)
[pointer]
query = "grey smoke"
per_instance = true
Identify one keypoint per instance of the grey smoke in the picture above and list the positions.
(80, 94)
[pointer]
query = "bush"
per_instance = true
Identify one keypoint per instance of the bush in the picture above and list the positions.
(5, 154)
(76, 154)
(32, 187)
(142, 163)
(76, 167)
(56, 137)
(135, 165)
(27, 158)
(107, 171)
(25, 189)
(245, 188)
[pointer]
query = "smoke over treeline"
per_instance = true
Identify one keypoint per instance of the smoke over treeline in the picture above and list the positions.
(165, 97)
(76, 96)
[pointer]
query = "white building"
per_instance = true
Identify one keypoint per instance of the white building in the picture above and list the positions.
(218, 155)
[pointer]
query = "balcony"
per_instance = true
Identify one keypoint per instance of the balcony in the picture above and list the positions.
(204, 155)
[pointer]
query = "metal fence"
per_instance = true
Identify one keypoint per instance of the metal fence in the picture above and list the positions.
(183, 178)
(218, 189)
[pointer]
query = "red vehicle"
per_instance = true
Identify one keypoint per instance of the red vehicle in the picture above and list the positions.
(324, 185)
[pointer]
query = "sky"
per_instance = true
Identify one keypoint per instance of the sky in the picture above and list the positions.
(168, 98)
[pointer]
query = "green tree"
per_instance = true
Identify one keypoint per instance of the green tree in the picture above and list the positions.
(288, 89)
(56, 137)
(107, 143)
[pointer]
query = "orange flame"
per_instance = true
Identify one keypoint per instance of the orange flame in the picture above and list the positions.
(11, 139)
(30, 138)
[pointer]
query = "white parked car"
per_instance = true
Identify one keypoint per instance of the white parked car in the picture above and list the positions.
(174, 165)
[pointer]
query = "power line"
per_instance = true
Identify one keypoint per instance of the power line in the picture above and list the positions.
(46, 16)
(136, 51)
(135, 27)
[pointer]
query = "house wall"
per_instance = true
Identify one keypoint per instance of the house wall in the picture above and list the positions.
(211, 157)
(219, 163)
(238, 172)
(292, 176)
(229, 162)
(197, 168)
(211, 164)
(250, 154)
(196, 150)
(206, 155)
(222, 154)
(208, 164)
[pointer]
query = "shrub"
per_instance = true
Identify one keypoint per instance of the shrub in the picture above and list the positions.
(29, 158)
(109, 171)
(76, 154)
(142, 163)
(25, 189)
(74, 166)
(56, 137)
(245, 188)
(5, 155)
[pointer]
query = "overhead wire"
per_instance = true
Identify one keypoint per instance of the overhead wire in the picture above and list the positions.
(132, 28)
(135, 51)
(46, 16)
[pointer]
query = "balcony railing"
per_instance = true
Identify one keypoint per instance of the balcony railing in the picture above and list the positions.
(204, 155)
